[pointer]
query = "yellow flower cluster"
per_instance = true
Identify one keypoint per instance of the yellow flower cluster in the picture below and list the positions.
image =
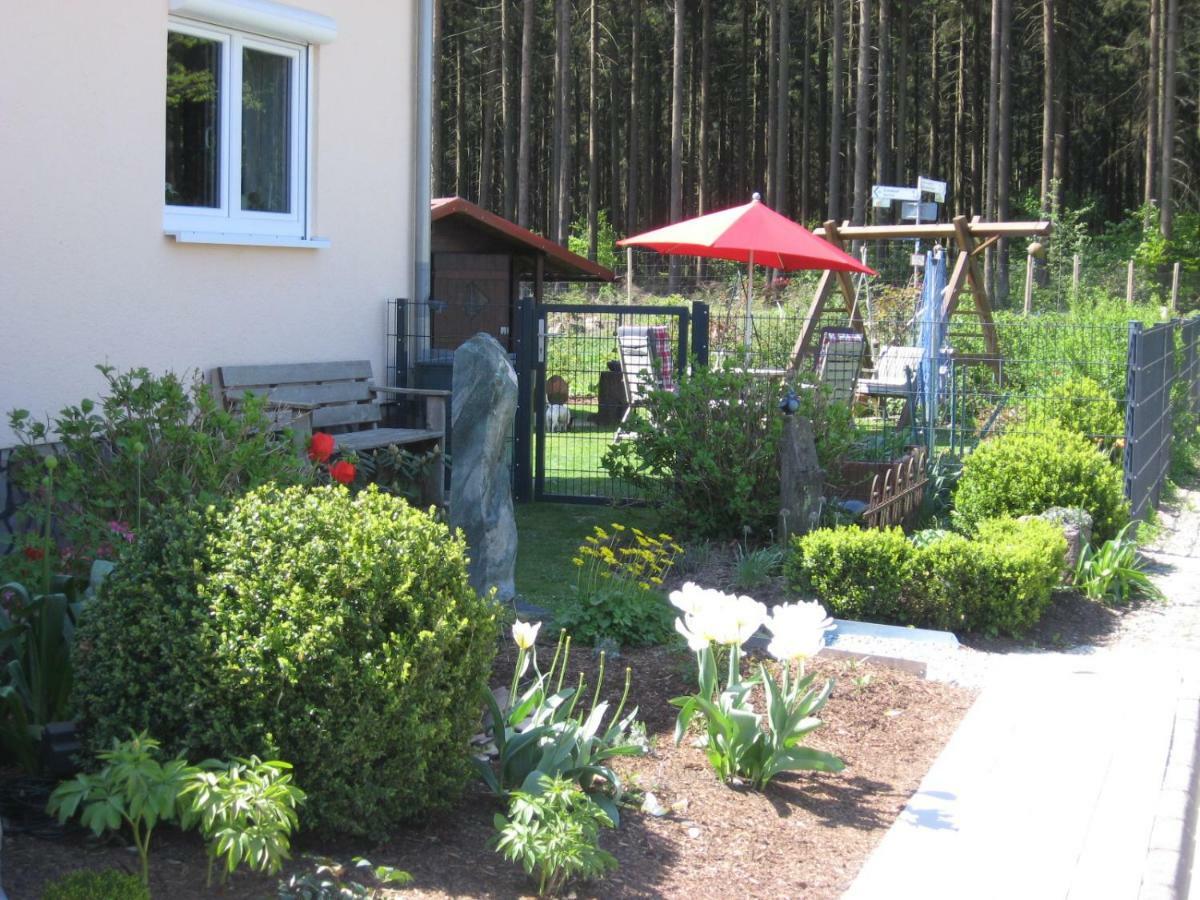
(627, 554)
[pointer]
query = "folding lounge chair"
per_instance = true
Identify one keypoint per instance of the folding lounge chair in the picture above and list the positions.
(646, 363)
(839, 362)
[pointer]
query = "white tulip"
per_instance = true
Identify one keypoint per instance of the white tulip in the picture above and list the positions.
(710, 616)
(798, 630)
(525, 634)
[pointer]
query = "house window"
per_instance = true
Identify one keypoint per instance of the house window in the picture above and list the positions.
(237, 134)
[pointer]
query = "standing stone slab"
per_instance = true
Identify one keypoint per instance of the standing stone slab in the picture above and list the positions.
(800, 478)
(482, 408)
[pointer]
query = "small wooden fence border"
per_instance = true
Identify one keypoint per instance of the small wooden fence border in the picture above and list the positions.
(898, 493)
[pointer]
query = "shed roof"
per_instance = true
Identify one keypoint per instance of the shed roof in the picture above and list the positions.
(561, 263)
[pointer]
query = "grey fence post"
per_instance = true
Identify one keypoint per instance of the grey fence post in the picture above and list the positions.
(1131, 418)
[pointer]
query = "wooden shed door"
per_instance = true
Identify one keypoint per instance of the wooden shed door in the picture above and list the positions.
(475, 289)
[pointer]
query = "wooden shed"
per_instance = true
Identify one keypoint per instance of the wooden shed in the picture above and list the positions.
(482, 263)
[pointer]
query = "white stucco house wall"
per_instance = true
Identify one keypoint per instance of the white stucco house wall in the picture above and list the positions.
(286, 218)
(104, 260)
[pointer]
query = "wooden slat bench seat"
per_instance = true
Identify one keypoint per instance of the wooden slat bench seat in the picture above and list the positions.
(342, 399)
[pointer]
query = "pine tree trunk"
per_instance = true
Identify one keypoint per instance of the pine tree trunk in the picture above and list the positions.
(862, 111)
(934, 106)
(806, 115)
(460, 137)
(1004, 139)
(883, 107)
(902, 94)
(838, 37)
(993, 142)
(960, 131)
(783, 112)
(677, 134)
(562, 126)
(487, 124)
(632, 220)
(508, 166)
(435, 99)
(593, 151)
(1166, 170)
(702, 174)
(772, 133)
(1047, 105)
(1153, 104)
(526, 108)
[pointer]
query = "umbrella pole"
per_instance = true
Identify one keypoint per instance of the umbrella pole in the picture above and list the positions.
(749, 301)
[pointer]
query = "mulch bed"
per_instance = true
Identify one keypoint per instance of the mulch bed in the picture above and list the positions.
(806, 835)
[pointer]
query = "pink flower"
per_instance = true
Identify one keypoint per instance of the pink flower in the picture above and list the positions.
(121, 529)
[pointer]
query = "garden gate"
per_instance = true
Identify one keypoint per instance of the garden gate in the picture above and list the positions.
(588, 360)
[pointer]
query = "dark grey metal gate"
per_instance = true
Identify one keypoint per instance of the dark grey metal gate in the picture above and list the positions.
(580, 397)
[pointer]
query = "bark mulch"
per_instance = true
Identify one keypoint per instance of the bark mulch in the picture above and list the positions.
(805, 836)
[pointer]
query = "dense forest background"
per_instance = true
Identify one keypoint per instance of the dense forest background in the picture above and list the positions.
(628, 114)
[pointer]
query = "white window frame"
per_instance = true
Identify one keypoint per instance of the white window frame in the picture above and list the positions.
(209, 224)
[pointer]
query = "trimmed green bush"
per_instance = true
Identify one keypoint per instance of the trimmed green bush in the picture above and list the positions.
(708, 453)
(88, 884)
(1021, 563)
(338, 632)
(1026, 474)
(998, 581)
(944, 570)
(858, 573)
(1083, 406)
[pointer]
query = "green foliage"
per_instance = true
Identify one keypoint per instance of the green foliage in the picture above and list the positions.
(708, 453)
(336, 631)
(1080, 405)
(617, 589)
(36, 634)
(88, 884)
(148, 441)
(606, 240)
(752, 568)
(537, 732)
(858, 573)
(737, 744)
(396, 470)
(997, 580)
(1026, 474)
(1020, 564)
(132, 788)
(1115, 573)
(554, 834)
(246, 811)
(331, 880)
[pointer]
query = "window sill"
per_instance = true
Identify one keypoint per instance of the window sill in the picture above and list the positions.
(247, 240)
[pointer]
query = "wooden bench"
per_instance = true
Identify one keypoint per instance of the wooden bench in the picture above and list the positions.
(342, 399)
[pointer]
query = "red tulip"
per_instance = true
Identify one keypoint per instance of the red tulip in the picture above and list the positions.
(34, 553)
(342, 471)
(321, 447)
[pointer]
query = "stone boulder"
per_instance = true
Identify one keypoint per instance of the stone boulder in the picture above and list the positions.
(1076, 525)
(483, 404)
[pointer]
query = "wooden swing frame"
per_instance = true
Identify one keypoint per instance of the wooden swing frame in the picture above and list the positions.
(971, 238)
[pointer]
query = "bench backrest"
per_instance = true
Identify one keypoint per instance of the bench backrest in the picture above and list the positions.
(340, 392)
(896, 365)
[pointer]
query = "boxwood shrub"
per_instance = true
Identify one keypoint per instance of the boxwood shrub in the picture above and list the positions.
(999, 580)
(88, 884)
(336, 632)
(1026, 474)
(859, 573)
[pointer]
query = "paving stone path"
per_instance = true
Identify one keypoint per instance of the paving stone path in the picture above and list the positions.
(1074, 774)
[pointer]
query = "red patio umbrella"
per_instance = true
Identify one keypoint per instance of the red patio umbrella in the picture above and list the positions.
(753, 233)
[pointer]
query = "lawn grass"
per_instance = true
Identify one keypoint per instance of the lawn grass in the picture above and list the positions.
(548, 535)
(572, 462)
